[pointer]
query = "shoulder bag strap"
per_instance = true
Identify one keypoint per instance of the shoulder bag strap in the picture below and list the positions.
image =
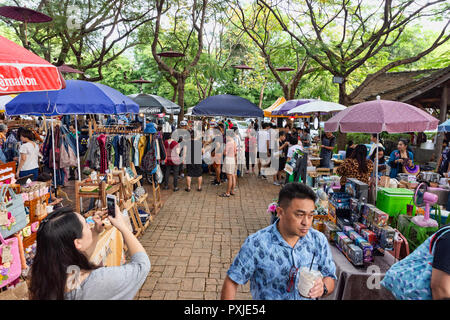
(436, 237)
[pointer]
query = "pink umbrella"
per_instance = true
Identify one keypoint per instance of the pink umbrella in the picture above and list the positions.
(382, 115)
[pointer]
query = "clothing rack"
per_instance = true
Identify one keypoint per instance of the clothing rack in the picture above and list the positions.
(114, 129)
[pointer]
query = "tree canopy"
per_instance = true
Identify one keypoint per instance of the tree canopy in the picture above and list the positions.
(118, 41)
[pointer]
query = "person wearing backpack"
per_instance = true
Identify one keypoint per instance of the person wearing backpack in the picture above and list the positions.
(173, 161)
(425, 273)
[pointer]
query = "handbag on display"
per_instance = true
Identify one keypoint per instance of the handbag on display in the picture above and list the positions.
(13, 217)
(10, 264)
(159, 174)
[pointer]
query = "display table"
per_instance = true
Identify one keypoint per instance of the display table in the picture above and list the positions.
(109, 250)
(352, 282)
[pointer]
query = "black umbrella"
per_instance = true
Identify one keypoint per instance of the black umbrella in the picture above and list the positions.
(153, 104)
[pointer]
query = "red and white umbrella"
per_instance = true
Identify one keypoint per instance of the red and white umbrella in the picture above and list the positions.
(23, 71)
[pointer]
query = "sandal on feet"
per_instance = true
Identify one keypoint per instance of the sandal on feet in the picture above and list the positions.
(199, 189)
(187, 189)
(224, 195)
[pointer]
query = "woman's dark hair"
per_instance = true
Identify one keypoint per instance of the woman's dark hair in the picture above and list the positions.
(281, 134)
(405, 142)
(293, 140)
(55, 252)
(27, 134)
(166, 136)
(372, 157)
(295, 190)
(350, 142)
(360, 154)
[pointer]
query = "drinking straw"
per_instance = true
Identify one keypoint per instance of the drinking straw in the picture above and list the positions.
(310, 266)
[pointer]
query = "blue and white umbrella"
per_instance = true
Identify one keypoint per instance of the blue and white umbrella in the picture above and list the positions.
(444, 126)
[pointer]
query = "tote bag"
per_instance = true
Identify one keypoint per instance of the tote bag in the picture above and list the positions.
(410, 278)
(13, 217)
(10, 269)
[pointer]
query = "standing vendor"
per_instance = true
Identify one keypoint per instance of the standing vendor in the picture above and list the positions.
(326, 151)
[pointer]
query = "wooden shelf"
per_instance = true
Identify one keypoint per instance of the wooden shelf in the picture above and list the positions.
(28, 241)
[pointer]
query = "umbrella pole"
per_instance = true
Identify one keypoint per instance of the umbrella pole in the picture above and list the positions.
(78, 159)
(54, 162)
(376, 170)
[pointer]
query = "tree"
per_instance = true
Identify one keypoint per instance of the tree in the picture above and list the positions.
(197, 19)
(222, 44)
(341, 36)
(89, 35)
(261, 27)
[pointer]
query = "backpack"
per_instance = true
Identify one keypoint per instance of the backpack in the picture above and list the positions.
(148, 163)
(9, 147)
(410, 278)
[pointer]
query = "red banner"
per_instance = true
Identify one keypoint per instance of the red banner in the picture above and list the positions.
(23, 78)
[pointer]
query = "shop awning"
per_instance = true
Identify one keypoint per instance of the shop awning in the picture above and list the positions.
(227, 105)
(23, 71)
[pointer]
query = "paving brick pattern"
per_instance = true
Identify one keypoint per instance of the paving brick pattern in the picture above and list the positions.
(193, 240)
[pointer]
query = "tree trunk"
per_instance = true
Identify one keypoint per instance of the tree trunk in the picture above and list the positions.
(175, 91)
(261, 94)
(344, 100)
(442, 118)
(181, 83)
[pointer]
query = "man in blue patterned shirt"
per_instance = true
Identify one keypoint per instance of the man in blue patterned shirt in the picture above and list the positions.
(272, 257)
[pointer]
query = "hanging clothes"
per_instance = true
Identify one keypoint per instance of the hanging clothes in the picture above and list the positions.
(136, 157)
(103, 155)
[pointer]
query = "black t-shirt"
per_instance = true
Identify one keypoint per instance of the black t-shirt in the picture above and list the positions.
(441, 260)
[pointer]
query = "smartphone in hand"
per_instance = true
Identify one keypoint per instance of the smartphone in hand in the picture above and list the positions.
(111, 205)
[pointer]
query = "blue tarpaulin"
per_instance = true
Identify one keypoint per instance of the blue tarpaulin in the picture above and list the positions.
(79, 97)
(227, 106)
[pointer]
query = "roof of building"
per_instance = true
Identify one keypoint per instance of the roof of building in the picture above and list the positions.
(402, 86)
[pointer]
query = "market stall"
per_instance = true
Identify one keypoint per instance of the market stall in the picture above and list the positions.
(76, 99)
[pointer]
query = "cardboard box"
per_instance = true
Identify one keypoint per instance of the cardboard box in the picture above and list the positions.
(369, 235)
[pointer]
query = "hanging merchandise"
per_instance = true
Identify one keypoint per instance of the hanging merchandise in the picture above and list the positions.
(12, 212)
(10, 265)
(159, 174)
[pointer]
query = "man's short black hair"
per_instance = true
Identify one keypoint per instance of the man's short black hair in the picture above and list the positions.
(295, 190)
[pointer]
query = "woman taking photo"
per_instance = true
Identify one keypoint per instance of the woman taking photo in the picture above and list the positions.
(356, 166)
(65, 243)
(29, 156)
(400, 159)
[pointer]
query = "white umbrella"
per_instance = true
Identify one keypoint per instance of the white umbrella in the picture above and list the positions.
(3, 101)
(317, 106)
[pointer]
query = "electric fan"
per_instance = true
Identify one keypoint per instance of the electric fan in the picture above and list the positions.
(421, 197)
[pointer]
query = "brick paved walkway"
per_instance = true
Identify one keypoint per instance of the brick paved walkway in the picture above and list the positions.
(192, 241)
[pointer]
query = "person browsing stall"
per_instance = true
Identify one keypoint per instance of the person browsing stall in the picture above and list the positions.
(356, 166)
(271, 257)
(400, 158)
(29, 155)
(65, 242)
(326, 151)
(373, 144)
(381, 161)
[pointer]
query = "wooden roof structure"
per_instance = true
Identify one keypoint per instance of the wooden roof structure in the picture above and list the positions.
(422, 88)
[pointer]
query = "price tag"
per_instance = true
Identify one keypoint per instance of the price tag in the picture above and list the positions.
(3, 218)
(6, 254)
